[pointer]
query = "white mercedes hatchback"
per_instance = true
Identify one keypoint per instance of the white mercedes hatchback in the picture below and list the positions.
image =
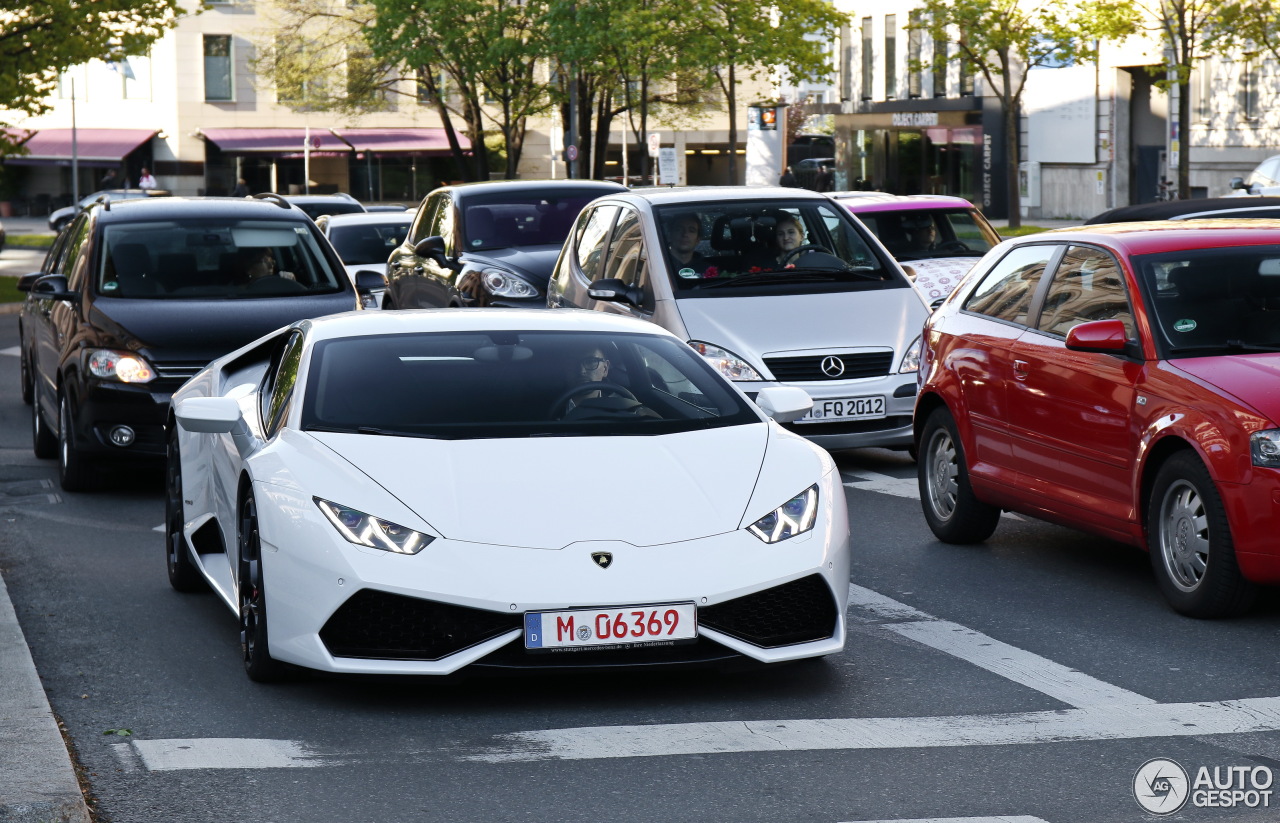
(421, 491)
(772, 287)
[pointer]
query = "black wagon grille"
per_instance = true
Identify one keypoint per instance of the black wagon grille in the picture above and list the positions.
(385, 626)
(814, 367)
(795, 612)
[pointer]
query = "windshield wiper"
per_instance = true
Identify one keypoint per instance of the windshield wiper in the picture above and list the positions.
(788, 276)
(369, 430)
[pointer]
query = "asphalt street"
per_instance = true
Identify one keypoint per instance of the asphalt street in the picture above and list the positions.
(1028, 679)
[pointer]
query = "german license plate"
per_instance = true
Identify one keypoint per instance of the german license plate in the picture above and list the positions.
(848, 408)
(618, 625)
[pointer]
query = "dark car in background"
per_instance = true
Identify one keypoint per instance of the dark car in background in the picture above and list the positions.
(487, 244)
(317, 204)
(1264, 207)
(137, 296)
(59, 219)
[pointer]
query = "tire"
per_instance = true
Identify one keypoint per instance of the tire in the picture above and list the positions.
(1189, 540)
(24, 370)
(950, 508)
(75, 473)
(252, 595)
(183, 574)
(43, 441)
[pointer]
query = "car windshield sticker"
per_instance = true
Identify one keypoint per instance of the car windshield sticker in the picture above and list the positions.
(476, 242)
(110, 285)
(1186, 324)
(688, 274)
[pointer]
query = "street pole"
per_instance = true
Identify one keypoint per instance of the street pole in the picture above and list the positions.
(571, 170)
(306, 161)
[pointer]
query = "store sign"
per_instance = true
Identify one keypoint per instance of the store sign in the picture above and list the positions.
(915, 118)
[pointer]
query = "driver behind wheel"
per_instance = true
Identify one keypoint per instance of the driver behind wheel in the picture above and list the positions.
(597, 396)
(790, 236)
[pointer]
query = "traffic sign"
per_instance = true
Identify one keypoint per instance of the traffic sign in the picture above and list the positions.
(655, 143)
(571, 153)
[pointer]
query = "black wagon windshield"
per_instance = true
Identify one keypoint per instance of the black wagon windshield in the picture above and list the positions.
(773, 247)
(367, 243)
(522, 218)
(208, 259)
(468, 385)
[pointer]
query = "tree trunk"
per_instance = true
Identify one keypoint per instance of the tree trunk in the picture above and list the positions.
(1184, 141)
(1010, 102)
(733, 126)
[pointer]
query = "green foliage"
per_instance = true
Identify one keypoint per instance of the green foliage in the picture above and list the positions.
(40, 39)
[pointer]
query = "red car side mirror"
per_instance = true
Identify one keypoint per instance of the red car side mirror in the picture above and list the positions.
(1107, 336)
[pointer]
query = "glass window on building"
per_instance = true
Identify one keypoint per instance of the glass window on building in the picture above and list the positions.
(217, 67)
(890, 56)
(915, 51)
(868, 60)
(939, 68)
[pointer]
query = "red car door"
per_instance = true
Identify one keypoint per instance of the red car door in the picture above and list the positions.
(1071, 412)
(975, 350)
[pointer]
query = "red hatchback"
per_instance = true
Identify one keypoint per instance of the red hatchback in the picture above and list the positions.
(1124, 380)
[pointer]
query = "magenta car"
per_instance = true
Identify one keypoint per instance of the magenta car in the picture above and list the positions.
(936, 238)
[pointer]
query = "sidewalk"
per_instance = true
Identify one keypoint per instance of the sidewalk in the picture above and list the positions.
(37, 781)
(26, 225)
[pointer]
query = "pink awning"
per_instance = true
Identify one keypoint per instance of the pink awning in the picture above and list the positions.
(273, 141)
(53, 146)
(400, 141)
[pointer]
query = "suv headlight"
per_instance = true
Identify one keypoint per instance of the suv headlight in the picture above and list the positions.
(911, 360)
(1264, 448)
(503, 284)
(373, 532)
(124, 366)
(726, 362)
(796, 516)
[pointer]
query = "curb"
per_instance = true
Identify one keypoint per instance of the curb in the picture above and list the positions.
(37, 781)
(10, 308)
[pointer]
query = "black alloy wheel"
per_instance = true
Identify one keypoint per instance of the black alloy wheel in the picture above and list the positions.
(43, 441)
(183, 574)
(254, 642)
(75, 474)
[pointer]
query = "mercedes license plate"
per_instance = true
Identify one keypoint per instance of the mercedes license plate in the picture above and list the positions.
(847, 408)
(614, 626)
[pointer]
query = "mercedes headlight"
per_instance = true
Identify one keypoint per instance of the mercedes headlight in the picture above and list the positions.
(1264, 448)
(373, 532)
(726, 362)
(503, 284)
(911, 360)
(796, 516)
(124, 366)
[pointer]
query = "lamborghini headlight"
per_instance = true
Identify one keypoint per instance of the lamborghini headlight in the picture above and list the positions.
(373, 532)
(796, 516)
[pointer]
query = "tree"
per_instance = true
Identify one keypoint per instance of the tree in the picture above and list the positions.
(1249, 25)
(1003, 39)
(726, 37)
(41, 39)
(1183, 27)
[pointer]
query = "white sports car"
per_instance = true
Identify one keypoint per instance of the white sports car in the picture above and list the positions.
(415, 492)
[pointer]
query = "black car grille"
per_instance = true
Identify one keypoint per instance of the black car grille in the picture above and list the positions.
(849, 426)
(809, 367)
(376, 624)
(178, 371)
(795, 612)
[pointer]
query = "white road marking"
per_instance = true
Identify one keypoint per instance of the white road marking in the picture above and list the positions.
(1001, 819)
(159, 528)
(1110, 722)
(908, 487)
(12, 351)
(223, 753)
(1022, 667)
